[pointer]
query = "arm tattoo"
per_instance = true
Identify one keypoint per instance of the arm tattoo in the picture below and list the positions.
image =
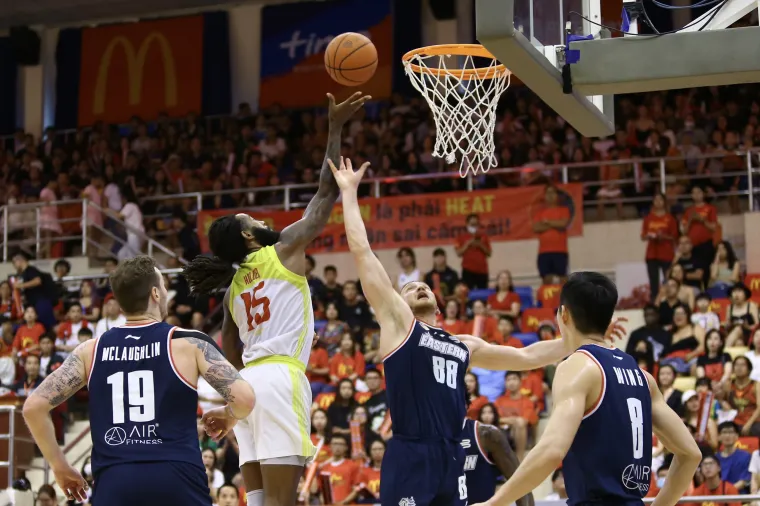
(64, 381)
(220, 374)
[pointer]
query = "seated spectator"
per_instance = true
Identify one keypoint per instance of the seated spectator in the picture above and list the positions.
(333, 330)
(712, 483)
(692, 416)
(693, 269)
(318, 371)
(475, 401)
(666, 376)
(209, 462)
(715, 364)
(462, 298)
(688, 342)
(46, 496)
(339, 412)
(559, 493)
(103, 286)
(489, 415)
(333, 291)
(368, 436)
(112, 317)
(483, 325)
(658, 480)
(89, 303)
(343, 472)
(686, 293)
(8, 308)
(7, 358)
(651, 332)
(68, 330)
(450, 320)
(369, 474)
(754, 355)
(504, 331)
(409, 271)
(667, 304)
(49, 359)
(355, 311)
(517, 412)
(741, 317)
(491, 382)
(348, 362)
(227, 495)
(377, 404)
(28, 335)
(85, 334)
(370, 347)
(743, 397)
(31, 378)
(754, 469)
(505, 302)
(441, 279)
(726, 268)
(702, 316)
(734, 463)
(321, 432)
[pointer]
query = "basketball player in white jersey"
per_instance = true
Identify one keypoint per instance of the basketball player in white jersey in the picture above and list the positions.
(268, 308)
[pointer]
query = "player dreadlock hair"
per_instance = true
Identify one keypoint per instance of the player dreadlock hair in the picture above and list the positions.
(205, 274)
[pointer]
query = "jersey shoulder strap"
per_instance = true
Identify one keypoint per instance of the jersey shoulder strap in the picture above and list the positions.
(180, 333)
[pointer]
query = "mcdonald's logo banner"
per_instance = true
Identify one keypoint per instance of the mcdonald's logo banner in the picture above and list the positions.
(141, 69)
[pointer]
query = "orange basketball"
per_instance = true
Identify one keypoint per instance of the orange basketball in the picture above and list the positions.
(351, 59)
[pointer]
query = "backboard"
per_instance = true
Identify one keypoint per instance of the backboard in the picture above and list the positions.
(530, 38)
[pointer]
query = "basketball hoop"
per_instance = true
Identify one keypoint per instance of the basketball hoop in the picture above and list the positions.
(463, 100)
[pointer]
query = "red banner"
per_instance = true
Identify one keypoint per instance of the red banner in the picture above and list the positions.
(427, 219)
(141, 69)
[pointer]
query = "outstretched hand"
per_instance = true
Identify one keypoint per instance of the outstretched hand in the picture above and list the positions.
(340, 113)
(345, 176)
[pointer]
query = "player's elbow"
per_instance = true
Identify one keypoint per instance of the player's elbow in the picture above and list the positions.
(690, 454)
(244, 399)
(35, 406)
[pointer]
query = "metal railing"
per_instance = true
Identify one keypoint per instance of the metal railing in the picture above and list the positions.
(12, 440)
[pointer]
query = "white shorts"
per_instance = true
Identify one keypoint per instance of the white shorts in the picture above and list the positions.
(279, 425)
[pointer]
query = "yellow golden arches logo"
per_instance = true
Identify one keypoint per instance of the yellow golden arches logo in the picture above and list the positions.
(754, 285)
(135, 67)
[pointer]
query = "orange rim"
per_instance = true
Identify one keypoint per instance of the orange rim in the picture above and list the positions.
(458, 50)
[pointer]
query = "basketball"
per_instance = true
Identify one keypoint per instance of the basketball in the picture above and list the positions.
(351, 59)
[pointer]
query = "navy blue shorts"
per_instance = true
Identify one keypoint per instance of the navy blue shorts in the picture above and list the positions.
(423, 473)
(151, 484)
(552, 264)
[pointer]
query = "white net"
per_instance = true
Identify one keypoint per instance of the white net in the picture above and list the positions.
(463, 100)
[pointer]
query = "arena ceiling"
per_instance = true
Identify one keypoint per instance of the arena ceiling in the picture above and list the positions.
(70, 12)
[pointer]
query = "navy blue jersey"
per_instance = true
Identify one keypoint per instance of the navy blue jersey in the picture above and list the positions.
(609, 460)
(479, 469)
(424, 379)
(141, 409)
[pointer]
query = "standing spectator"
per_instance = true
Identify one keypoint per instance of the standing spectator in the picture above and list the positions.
(713, 484)
(49, 359)
(112, 317)
(651, 332)
(726, 268)
(409, 271)
(474, 248)
(441, 279)
(133, 221)
(28, 335)
(743, 397)
(517, 412)
(505, 302)
(693, 269)
(741, 317)
(348, 362)
(39, 289)
(551, 226)
(660, 230)
(700, 221)
(734, 463)
(49, 223)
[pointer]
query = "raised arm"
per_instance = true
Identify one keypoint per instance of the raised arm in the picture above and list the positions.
(508, 358)
(392, 312)
(496, 444)
(576, 380)
(231, 336)
(295, 238)
(57, 387)
(670, 429)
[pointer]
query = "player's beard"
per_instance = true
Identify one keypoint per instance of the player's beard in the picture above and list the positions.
(265, 236)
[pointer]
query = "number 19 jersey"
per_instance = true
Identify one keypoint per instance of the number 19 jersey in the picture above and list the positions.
(141, 408)
(271, 307)
(610, 458)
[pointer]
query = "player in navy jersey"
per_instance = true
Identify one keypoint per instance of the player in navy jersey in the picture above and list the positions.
(143, 402)
(424, 373)
(488, 456)
(605, 408)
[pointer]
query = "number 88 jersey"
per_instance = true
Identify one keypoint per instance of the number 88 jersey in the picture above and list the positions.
(610, 458)
(271, 307)
(424, 380)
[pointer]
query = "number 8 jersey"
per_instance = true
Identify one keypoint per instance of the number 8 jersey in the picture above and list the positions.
(271, 307)
(141, 408)
(610, 458)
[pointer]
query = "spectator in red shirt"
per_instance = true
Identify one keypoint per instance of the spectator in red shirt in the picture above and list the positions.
(348, 362)
(551, 226)
(450, 320)
(343, 472)
(474, 399)
(369, 475)
(318, 371)
(474, 248)
(321, 430)
(660, 230)
(505, 328)
(68, 330)
(516, 412)
(483, 325)
(700, 221)
(505, 302)
(712, 484)
(28, 335)
(8, 308)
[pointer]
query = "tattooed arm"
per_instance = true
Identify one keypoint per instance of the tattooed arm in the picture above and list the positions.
(55, 389)
(225, 379)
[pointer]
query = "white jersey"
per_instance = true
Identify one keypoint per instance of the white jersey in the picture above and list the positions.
(271, 307)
